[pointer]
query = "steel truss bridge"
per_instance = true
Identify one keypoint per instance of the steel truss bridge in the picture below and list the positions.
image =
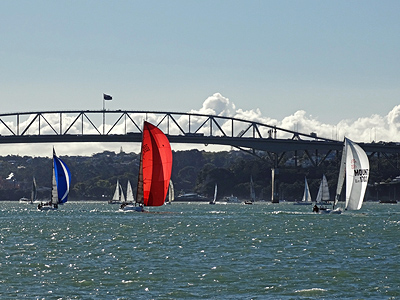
(124, 126)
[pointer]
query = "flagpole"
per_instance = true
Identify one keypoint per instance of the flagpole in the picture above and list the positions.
(104, 115)
(105, 97)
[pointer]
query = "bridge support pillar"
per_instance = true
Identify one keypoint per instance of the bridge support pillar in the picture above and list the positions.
(274, 185)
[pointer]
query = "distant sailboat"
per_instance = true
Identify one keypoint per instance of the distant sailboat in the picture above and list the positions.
(128, 203)
(354, 169)
(306, 200)
(252, 192)
(34, 191)
(214, 200)
(33, 194)
(61, 181)
(171, 193)
(323, 192)
(155, 168)
(118, 196)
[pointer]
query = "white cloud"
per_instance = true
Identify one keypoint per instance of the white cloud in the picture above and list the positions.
(361, 129)
(217, 105)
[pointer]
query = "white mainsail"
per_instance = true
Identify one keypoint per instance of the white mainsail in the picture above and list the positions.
(323, 191)
(307, 194)
(54, 192)
(342, 174)
(357, 174)
(116, 196)
(122, 196)
(129, 193)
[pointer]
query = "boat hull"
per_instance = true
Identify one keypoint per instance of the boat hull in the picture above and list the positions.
(25, 200)
(336, 211)
(132, 208)
(47, 207)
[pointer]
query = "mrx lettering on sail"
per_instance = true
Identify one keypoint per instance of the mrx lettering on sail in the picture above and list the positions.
(361, 175)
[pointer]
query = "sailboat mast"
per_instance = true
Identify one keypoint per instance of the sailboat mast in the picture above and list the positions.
(342, 174)
(139, 191)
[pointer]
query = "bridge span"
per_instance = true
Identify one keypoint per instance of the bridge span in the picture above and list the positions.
(124, 126)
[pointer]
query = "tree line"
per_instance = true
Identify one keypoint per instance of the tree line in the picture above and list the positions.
(94, 177)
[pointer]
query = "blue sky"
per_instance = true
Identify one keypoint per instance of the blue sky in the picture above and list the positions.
(338, 61)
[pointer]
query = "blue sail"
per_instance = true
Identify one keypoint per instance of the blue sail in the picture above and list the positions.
(63, 179)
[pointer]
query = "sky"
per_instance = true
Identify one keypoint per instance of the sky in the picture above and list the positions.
(326, 66)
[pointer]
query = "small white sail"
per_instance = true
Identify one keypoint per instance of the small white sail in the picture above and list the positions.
(171, 192)
(129, 193)
(342, 175)
(122, 196)
(117, 192)
(307, 194)
(34, 191)
(252, 192)
(357, 174)
(323, 191)
(214, 200)
(54, 192)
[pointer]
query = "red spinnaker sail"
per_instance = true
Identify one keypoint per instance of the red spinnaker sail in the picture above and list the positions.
(155, 167)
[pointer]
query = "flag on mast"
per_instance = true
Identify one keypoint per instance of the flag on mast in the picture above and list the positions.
(107, 97)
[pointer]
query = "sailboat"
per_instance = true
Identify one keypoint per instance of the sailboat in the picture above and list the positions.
(171, 193)
(214, 200)
(33, 194)
(128, 203)
(354, 169)
(306, 200)
(252, 192)
(118, 196)
(323, 192)
(61, 181)
(34, 191)
(155, 168)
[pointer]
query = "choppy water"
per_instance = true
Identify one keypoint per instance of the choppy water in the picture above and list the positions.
(199, 251)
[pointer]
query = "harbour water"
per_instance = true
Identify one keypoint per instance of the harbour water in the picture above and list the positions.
(89, 250)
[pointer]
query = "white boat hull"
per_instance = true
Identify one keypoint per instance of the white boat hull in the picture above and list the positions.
(132, 208)
(330, 211)
(47, 207)
(26, 201)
